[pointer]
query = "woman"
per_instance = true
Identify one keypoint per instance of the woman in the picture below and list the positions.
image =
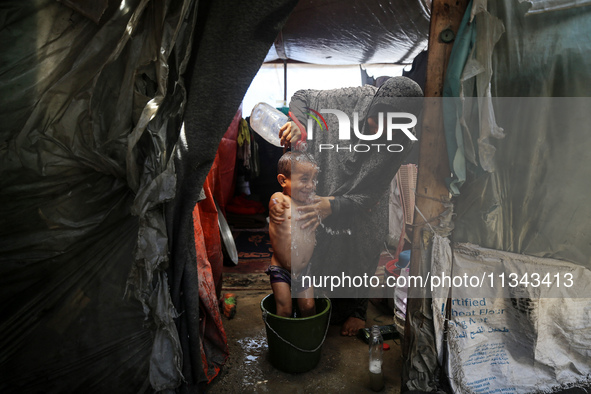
(351, 207)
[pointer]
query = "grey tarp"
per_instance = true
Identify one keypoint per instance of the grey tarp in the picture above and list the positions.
(354, 32)
(526, 146)
(72, 94)
(532, 198)
(91, 113)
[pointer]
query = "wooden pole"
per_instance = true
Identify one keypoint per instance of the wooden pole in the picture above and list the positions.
(284, 82)
(431, 191)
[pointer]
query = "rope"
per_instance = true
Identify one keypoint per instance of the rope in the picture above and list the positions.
(425, 219)
(443, 201)
(265, 313)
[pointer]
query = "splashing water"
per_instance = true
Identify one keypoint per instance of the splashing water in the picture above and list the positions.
(330, 231)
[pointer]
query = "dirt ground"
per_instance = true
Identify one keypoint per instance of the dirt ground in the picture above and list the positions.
(343, 366)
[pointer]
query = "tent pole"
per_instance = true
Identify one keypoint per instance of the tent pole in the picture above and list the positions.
(284, 82)
(431, 191)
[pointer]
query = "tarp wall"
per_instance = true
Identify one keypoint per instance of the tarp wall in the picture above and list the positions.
(530, 196)
(520, 154)
(80, 213)
(91, 116)
(517, 130)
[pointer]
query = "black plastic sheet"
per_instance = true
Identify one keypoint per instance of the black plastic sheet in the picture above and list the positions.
(354, 32)
(89, 112)
(97, 189)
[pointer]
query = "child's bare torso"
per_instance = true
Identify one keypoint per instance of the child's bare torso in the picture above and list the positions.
(292, 246)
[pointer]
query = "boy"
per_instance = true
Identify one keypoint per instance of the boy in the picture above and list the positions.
(292, 246)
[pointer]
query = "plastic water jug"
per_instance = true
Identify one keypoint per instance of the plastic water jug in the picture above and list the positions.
(266, 122)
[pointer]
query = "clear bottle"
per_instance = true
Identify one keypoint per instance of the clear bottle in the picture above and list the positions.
(376, 350)
(267, 121)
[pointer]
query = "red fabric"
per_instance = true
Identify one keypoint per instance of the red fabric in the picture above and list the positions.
(243, 206)
(214, 345)
(208, 245)
(211, 234)
(222, 173)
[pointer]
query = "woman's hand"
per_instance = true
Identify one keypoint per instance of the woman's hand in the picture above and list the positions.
(277, 207)
(289, 134)
(311, 215)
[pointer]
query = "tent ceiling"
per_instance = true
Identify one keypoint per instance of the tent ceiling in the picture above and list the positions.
(354, 32)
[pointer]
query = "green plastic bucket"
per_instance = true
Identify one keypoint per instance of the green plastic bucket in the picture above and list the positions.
(295, 343)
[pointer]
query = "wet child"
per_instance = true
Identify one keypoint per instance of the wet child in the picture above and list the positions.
(292, 246)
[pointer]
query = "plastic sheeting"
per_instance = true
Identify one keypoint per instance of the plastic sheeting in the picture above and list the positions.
(468, 73)
(524, 192)
(354, 32)
(92, 254)
(83, 177)
(534, 200)
(423, 366)
(538, 6)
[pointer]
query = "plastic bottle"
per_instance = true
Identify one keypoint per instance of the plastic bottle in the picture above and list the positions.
(376, 350)
(267, 121)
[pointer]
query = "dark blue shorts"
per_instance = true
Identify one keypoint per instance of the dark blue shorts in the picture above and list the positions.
(278, 274)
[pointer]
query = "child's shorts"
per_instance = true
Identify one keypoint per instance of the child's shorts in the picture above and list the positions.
(278, 274)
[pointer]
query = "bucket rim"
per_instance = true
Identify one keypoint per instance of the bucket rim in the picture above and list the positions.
(325, 310)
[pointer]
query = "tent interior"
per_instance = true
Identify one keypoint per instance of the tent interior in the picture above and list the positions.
(117, 115)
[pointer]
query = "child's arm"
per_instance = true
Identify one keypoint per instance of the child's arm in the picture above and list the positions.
(277, 206)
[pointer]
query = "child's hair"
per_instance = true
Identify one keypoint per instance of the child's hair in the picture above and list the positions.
(286, 161)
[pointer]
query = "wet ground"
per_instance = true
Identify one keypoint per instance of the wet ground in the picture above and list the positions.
(343, 366)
